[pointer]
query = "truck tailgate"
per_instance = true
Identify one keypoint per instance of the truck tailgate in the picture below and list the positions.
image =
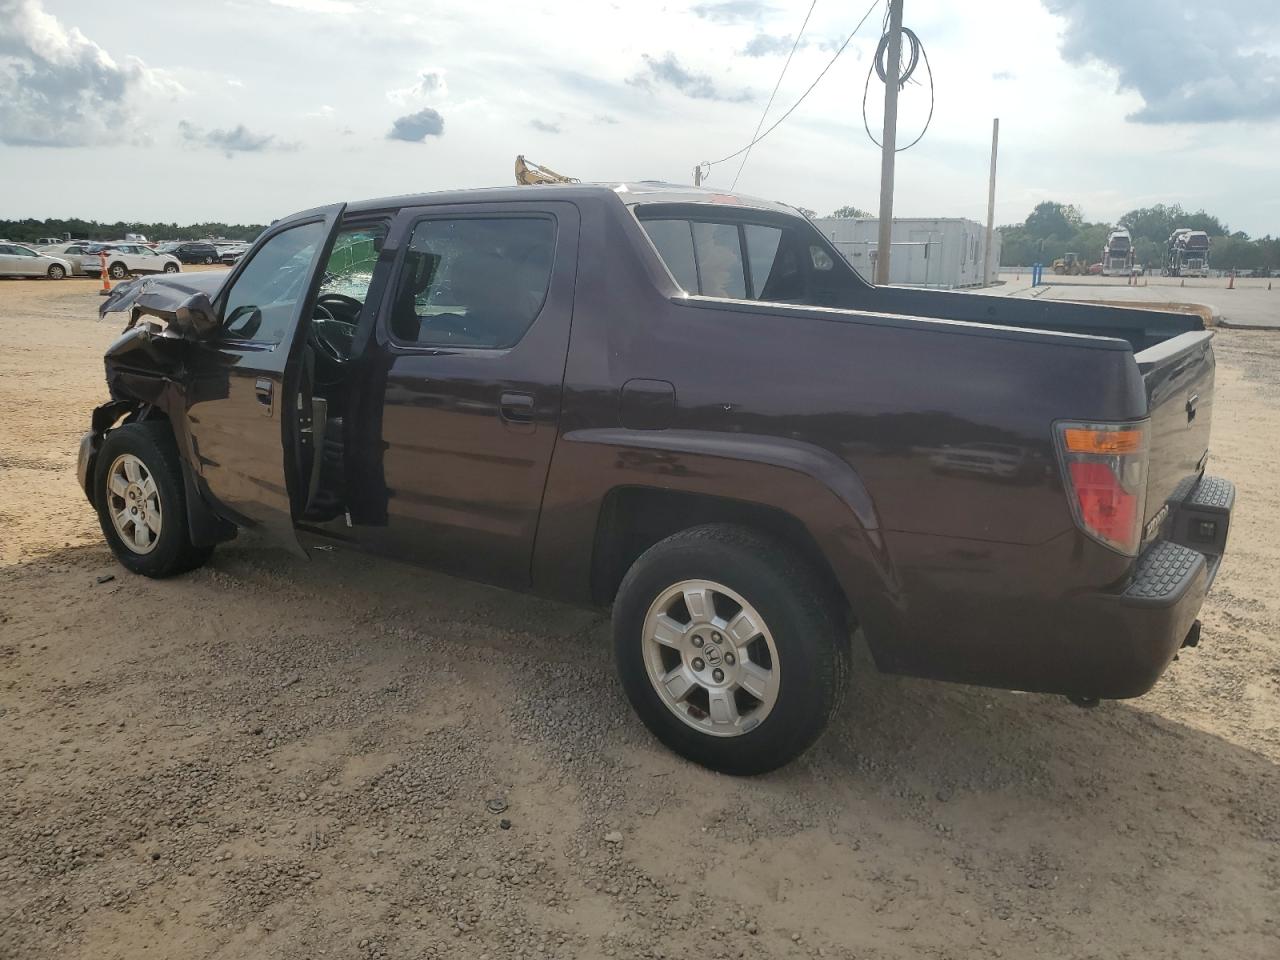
(1178, 375)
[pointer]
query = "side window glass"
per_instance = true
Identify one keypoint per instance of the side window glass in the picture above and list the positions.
(762, 254)
(260, 304)
(674, 243)
(719, 257)
(473, 282)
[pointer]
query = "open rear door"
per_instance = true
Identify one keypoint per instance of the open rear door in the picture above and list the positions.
(242, 405)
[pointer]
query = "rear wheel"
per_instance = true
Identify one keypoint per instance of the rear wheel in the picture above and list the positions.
(141, 502)
(117, 271)
(730, 648)
(57, 272)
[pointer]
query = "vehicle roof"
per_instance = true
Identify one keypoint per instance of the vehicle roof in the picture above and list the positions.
(631, 193)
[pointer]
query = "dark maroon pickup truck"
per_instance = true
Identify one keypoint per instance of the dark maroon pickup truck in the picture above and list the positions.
(687, 405)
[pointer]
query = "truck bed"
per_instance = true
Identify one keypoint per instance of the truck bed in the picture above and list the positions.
(1172, 351)
(1141, 328)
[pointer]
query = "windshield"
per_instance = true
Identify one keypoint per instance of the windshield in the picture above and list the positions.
(349, 271)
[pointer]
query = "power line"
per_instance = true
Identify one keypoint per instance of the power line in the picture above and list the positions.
(794, 47)
(711, 163)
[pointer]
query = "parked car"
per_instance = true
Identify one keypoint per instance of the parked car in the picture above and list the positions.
(71, 251)
(191, 251)
(689, 406)
(17, 260)
(48, 241)
(126, 258)
(231, 253)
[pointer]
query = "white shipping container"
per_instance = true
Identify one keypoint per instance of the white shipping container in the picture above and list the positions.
(926, 253)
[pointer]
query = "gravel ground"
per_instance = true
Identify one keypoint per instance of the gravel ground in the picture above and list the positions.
(351, 758)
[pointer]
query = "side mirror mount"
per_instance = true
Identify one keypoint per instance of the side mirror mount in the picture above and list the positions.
(196, 317)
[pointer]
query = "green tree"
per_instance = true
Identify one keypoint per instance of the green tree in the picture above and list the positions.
(852, 213)
(1050, 219)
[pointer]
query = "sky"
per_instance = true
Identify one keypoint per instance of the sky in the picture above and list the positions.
(247, 110)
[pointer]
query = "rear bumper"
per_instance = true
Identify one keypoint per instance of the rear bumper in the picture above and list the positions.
(1127, 639)
(1067, 617)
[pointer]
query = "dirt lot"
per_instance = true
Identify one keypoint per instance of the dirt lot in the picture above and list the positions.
(273, 757)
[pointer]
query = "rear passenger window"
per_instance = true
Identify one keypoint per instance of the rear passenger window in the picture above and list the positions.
(762, 252)
(674, 242)
(473, 282)
(718, 252)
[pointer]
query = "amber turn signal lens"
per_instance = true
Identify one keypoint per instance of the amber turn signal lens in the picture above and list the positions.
(1080, 440)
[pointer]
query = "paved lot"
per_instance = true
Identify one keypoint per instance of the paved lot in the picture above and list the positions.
(1250, 304)
(279, 758)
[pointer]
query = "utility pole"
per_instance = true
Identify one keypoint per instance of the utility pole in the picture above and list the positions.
(991, 203)
(697, 175)
(889, 140)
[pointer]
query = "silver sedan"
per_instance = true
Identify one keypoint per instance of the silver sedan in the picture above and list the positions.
(19, 261)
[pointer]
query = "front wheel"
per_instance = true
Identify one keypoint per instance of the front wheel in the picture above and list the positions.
(141, 502)
(170, 268)
(730, 647)
(208, 260)
(57, 272)
(117, 271)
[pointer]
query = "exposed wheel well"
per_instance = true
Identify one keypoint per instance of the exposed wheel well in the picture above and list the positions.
(632, 519)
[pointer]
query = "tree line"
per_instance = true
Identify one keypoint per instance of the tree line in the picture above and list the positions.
(28, 231)
(1053, 229)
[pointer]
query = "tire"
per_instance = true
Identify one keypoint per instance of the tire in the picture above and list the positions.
(171, 268)
(208, 260)
(802, 644)
(117, 271)
(153, 453)
(57, 272)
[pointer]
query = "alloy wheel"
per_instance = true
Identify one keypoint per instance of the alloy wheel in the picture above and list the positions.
(134, 503)
(711, 658)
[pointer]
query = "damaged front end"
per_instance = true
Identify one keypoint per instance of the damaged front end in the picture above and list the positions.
(147, 375)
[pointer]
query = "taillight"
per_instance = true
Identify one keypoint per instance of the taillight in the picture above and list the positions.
(1105, 471)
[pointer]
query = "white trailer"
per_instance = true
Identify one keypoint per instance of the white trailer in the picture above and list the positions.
(943, 252)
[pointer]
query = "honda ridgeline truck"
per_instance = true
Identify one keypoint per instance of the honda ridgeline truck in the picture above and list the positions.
(689, 406)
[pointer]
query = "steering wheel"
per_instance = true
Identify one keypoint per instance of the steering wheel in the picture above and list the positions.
(324, 346)
(336, 298)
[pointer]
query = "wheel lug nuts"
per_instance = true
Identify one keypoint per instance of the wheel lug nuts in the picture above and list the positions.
(716, 638)
(698, 664)
(697, 641)
(717, 675)
(730, 659)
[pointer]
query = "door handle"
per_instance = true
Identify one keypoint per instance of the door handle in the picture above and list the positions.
(264, 389)
(517, 408)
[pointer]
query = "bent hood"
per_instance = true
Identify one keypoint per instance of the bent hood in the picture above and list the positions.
(163, 292)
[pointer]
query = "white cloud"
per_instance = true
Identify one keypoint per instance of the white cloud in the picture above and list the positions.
(60, 89)
(429, 86)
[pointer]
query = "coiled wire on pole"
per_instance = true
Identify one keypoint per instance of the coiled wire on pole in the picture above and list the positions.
(879, 66)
